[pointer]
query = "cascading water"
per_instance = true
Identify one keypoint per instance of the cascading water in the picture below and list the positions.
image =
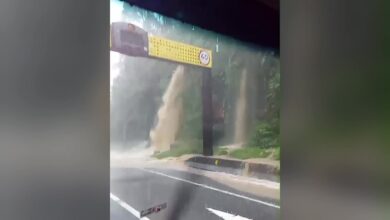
(170, 113)
(240, 128)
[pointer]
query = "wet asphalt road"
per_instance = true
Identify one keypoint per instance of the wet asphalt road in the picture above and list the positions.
(188, 196)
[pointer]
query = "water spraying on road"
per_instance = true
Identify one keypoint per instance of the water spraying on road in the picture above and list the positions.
(136, 152)
(170, 113)
(240, 129)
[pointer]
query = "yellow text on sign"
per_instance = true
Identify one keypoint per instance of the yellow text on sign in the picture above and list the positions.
(175, 51)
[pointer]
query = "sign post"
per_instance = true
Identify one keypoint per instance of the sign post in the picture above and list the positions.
(207, 116)
(131, 40)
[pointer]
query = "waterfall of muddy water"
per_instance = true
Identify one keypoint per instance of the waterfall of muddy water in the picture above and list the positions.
(170, 113)
(240, 123)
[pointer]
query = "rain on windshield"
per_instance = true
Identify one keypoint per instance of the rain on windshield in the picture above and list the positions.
(160, 162)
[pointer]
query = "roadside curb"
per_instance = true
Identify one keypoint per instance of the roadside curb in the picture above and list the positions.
(235, 167)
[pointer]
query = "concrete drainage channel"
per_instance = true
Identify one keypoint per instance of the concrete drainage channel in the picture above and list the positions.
(235, 167)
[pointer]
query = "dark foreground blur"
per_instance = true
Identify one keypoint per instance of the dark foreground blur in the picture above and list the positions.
(54, 115)
(335, 112)
(54, 110)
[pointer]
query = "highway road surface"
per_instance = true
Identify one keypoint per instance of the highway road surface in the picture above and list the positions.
(188, 196)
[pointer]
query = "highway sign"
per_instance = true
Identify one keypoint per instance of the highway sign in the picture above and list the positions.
(163, 48)
(131, 40)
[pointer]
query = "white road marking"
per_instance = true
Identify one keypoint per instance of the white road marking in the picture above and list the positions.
(127, 207)
(226, 216)
(213, 188)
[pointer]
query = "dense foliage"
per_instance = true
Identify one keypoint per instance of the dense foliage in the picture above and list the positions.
(267, 131)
